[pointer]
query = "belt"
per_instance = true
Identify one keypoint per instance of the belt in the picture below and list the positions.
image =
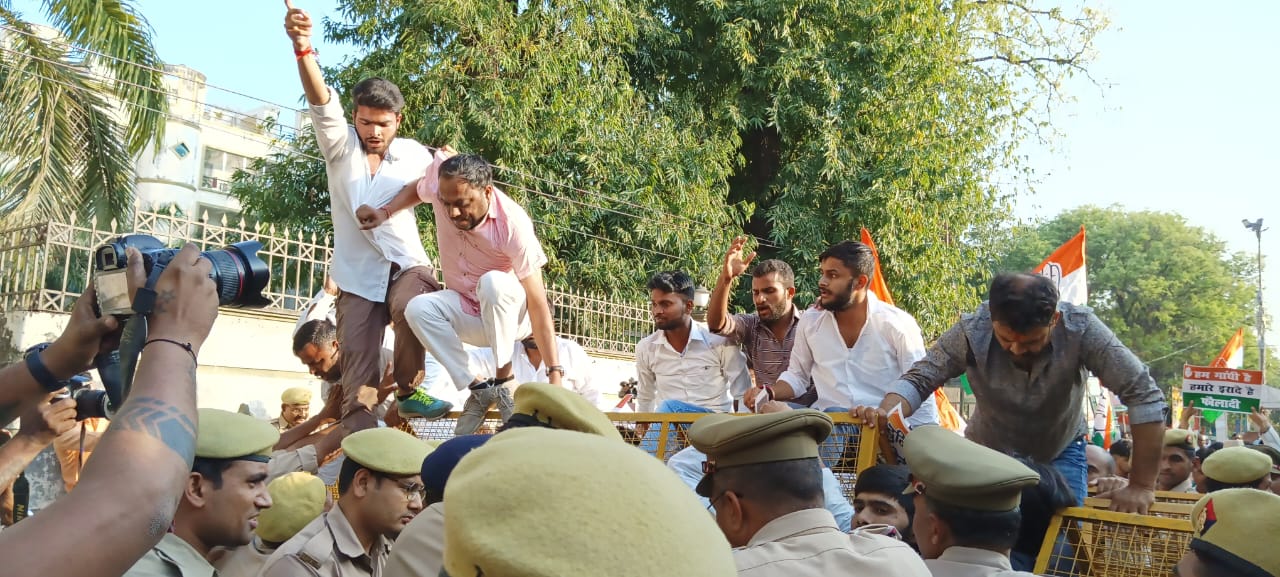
(490, 383)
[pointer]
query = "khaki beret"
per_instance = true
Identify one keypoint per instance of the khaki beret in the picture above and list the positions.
(567, 522)
(561, 408)
(962, 473)
(296, 396)
(228, 435)
(1234, 465)
(1231, 527)
(1179, 438)
(731, 441)
(386, 450)
(296, 500)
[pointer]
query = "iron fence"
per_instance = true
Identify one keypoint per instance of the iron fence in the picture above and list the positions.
(46, 266)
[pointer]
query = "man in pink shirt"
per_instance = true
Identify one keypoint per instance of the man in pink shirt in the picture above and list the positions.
(492, 265)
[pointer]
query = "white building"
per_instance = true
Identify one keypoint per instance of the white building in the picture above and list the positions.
(203, 147)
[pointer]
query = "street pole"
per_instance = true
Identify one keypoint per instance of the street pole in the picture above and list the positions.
(1256, 227)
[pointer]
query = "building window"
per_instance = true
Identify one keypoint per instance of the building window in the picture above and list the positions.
(219, 167)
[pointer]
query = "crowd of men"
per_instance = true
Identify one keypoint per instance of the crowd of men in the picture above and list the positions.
(558, 490)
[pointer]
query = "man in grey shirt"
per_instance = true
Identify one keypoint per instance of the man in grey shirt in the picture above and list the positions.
(1027, 357)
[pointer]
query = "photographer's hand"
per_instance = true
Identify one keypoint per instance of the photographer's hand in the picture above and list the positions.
(86, 335)
(186, 300)
(40, 425)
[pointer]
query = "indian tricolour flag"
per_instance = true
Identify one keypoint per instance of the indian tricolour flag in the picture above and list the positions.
(1231, 357)
(1066, 267)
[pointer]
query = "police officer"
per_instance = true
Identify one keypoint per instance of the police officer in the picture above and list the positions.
(1233, 532)
(295, 404)
(379, 490)
(1236, 467)
(225, 493)
(296, 500)
(538, 502)
(420, 548)
(763, 476)
(967, 501)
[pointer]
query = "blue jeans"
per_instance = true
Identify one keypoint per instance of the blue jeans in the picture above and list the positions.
(1075, 469)
(650, 441)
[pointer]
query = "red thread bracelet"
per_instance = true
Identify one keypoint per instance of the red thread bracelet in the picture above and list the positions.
(298, 54)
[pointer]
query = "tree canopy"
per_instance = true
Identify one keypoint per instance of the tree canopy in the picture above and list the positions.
(1172, 292)
(64, 150)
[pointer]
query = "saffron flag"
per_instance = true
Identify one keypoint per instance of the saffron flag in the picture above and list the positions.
(1231, 357)
(1066, 267)
(948, 417)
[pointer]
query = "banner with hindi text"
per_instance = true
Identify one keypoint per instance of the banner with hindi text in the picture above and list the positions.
(1222, 389)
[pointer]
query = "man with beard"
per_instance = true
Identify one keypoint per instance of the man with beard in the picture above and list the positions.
(1027, 357)
(224, 494)
(682, 367)
(380, 491)
(768, 335)
(377, 270)
(492, 263)
(853, 345)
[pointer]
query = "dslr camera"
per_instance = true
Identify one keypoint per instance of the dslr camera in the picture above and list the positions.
(238, 273)
(89, 402)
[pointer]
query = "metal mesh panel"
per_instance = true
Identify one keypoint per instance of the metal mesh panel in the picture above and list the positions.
(1093, 543)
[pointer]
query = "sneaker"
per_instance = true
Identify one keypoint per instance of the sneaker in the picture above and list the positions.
(421, 405)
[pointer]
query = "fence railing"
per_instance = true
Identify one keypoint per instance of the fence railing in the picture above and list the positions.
(46, 266)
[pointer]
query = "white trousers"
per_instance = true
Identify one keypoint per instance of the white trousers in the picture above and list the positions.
(437, 319)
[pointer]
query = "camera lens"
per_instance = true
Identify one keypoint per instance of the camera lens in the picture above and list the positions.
(239, 274)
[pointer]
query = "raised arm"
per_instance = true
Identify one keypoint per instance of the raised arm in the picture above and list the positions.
(297, 23)
(718, 318)
(40, 426)
(129, 490)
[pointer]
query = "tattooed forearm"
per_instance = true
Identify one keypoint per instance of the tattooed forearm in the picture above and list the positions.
(163, 300)
(161, 420)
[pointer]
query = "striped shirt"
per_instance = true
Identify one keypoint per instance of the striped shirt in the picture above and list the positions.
(767, 357)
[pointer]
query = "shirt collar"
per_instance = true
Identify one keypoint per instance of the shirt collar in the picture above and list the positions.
(344, 536)
(805, 521)
(181, 554)
(980, 557)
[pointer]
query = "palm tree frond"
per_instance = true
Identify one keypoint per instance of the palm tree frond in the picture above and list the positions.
(64, 155)
(118, 31)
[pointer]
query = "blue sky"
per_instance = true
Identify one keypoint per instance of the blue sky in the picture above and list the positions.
(1186, 123)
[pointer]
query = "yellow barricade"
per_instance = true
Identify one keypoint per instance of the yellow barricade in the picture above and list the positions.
(1101, 543)
(848, 451)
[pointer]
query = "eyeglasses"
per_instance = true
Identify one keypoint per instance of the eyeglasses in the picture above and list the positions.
(411, 490)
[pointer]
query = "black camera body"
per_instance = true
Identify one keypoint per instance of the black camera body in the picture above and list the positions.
(90, 403)
(237, 271)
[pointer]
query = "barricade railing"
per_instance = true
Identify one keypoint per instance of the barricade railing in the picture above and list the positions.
(1088, 542)
(849, 450)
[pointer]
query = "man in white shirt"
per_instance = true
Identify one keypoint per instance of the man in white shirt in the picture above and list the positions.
(528, 367)
(380, 270)
(683, 367)
(852, 343)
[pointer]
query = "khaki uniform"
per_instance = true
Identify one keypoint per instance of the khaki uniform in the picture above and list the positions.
(967, 562)
(171, 557)
(293, 460)
(327, 547)
(808, 543)
(419, 549)
(246, 561)
(279, 424)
